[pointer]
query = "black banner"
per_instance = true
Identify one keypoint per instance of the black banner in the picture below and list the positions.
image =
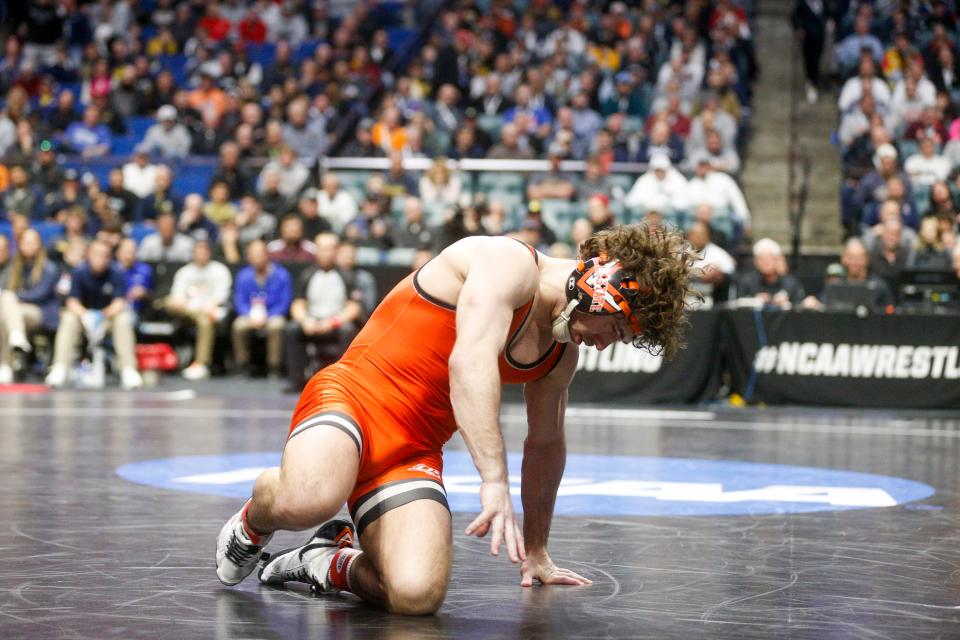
(841, 360)
(622, 374)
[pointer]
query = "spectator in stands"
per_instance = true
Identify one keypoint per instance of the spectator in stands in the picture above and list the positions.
(21, 196)
(308, 209)
(809, 20)
(209, 135)
(661, 141)
(253, 222)
(200, 296)
(765, 281)
(167, 244)
(122, 204)
(864, 83)
(719, 190)
(167, 137)
(362, 279)
(711, 118)
(661, 187)
(162, 199)
(926, 167)
(208, 96)
(293, 175)
(856, 262)
(873, 186)
(857, 122)
(594, 181)
(139, 277)
(847, 51)
(889, 255)
(261, 299)
(532, 220)
(438, 185)
(890, 210)
(95, 304)
(722, 158)
(509, 146)
(271, 198)
(627, 97)
(139, 175)
(413, 233)
(930, 124)
(45, 169)
(445, 114)
(930, 252)
(895, 190)
(372, 226)
(89, 137)
(325, 311)
(28, 299)
(945, 71)
(715, 264)
(231, 172)
(599, 213)
(69, 194)
(908, 102)
(553, 184)
(291, 246)
(362, 146)
(304, 132)
(219, 209)
(336, 205)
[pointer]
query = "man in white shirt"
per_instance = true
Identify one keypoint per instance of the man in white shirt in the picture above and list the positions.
(139, 175)
(335, 204)
(865, 82)
(200, 294)
(293, 174)
(661, 188)
(716, 265)
(719, 190)
(168, 137)
(927, 167)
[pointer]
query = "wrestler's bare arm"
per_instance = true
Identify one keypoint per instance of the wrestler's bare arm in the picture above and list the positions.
(544, 457)
(503, 279)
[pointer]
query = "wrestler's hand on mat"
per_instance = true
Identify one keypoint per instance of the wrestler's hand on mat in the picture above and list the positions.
(539, 566)
(497, 518)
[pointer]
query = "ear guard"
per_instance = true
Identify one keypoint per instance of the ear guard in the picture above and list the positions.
(597, 286)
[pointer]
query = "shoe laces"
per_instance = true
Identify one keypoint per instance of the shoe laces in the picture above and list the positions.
(239, 552)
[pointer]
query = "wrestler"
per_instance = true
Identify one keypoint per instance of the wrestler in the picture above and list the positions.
(369, 430)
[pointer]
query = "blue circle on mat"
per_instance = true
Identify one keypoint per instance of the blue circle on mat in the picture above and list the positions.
(596, 485)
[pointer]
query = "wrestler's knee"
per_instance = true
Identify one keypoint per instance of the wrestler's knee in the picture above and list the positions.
(299, 510)
(415, 595)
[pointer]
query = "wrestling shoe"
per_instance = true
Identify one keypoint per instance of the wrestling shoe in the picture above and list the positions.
(237, 554)
(310, 563)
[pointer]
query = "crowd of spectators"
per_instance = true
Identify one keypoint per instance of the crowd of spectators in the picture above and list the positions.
(135, 135)
(898, 132)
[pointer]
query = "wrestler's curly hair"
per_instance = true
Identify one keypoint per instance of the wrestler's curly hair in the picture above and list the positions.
(662, 262)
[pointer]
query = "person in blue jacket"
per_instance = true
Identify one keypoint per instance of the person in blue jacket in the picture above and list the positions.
(139, 276)
(261, 299)
(28, 300)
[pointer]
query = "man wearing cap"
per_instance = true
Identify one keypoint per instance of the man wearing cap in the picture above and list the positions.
(45, 169)
(628, 98)
(872, 187)
(309, 210)
(662, 187)
(719, 190)
(139, 175)
(369, 430)
(168, 137)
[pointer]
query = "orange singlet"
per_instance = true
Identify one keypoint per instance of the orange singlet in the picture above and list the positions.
(390, 392)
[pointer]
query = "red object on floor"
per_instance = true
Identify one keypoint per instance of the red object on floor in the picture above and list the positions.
(24, 388)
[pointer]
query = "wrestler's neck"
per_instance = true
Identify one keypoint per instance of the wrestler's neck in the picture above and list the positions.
(552, 296)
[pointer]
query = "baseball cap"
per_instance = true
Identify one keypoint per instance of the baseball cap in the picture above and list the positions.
(167, 112)
(660, 161)
(886, 150)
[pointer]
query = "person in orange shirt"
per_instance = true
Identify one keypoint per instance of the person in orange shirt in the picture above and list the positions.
(369, 430)
(389, 133)
(208, 96)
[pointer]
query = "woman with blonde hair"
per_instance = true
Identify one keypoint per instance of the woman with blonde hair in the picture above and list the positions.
(439, 185)
(930, 252)
(28, 300)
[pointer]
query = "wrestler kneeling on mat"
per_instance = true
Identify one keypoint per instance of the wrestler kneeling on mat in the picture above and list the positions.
(369, 430)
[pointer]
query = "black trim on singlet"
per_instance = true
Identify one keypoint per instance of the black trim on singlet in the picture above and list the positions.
(452, 307)
(426, 296)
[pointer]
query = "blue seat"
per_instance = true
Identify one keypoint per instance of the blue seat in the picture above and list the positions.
(137, 126)
(193, 178)
(140, 231)
(397, 37)
(49, 231)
